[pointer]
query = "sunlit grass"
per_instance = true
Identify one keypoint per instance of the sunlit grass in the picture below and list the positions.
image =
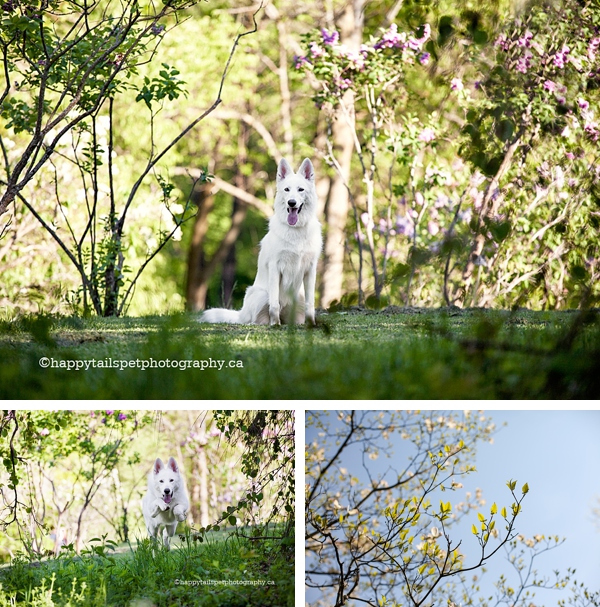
(403, 354)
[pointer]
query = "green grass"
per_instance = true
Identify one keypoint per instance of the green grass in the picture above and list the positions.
(235, 572)
(390, 354)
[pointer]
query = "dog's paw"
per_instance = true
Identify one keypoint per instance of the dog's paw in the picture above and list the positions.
(181, 515)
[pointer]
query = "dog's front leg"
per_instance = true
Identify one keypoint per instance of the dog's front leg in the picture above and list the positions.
(180, 512)
(158, 507)
(274, 308)
(310, 278)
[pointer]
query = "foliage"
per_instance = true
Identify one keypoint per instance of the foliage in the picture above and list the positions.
(387, 354)
(223, 571)
(268, 462)
(375, 534)
(76, 453)
(75, 64)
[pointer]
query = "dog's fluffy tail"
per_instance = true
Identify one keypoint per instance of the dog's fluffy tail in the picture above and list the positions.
(221, 315)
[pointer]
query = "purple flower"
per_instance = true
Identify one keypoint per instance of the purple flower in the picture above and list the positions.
(316, 51)
(561, 57)
(550, 86)
(44, 432)
(502, 42)
(342, 83)
(357, 60)
(427, 135)
(330, 38)
(300, 61)
(593, 48)
(122, 417)
(424, 58)
(157, 29)
(109, 412)
(583, 104)
(391, 38)
(456, 84)
(524, 63)
(433, 227)
(525, 40)
(591, 129)
(570, 155)
(404, 225)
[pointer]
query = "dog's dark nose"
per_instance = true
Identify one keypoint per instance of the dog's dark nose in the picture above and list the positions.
(291, 203)
(167, 491)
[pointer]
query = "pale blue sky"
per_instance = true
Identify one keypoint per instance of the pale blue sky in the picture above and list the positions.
(558, 454)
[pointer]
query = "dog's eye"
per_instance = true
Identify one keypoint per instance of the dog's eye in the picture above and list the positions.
(286, 189)
(301, 189)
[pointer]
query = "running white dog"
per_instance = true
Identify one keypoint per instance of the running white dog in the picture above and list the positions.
(284, 289)
(165, 503)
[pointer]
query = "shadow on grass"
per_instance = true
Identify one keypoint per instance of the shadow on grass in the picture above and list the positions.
(388, 354)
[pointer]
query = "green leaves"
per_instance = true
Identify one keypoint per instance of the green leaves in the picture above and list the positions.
(166, 85)
(494, 508)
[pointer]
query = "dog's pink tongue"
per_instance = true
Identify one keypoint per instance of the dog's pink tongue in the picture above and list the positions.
(167, 499)
(292, 217)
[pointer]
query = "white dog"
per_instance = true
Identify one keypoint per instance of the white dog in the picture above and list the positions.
(284, 289)
(165, 503)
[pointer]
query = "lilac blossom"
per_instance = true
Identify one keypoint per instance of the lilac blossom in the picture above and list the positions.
(357, 60)
(122, 417)
(593, 48)
(316, 51)
(416, 43)
(524, 62)
(525, 39)
(583, 104)
(404, 225)
(157, 29)
(427, 135)
(300, 61)
(433, 227)
(391, 38)
(550, 86)
(560, 58)
(424, 58)
(330, 38)
(342, 83)
(502, 42)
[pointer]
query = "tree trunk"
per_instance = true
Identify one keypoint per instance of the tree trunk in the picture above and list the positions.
(338, 201)
(197, 284)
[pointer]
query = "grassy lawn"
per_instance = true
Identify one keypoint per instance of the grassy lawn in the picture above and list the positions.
(230, 572)
(389, 354)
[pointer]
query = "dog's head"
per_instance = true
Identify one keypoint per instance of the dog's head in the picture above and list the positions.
(296, 197)
(166, 479)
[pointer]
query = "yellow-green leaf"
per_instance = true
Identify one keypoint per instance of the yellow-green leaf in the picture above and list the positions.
(474, 530)
(503, 512)
(525, 488)
(494, 508)
(480, 517)
(422, 568)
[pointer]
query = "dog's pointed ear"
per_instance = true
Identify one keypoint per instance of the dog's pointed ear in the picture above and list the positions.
(158, 465)
(307, 170)
(172, 465)
(284, 169)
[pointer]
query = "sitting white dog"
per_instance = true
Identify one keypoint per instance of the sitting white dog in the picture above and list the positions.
(165, 503)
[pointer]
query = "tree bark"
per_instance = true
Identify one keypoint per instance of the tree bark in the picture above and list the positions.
(338, 200)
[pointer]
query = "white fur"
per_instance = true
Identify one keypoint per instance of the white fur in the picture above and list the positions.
(165, 482)
(284, 288)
